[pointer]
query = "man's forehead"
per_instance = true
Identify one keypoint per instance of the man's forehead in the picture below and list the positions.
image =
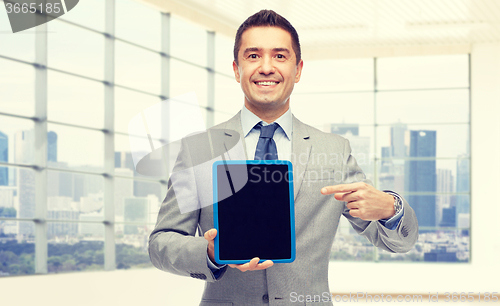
(266, 37)
(257, 49)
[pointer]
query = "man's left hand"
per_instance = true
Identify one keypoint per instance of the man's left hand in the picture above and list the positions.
(363, 200)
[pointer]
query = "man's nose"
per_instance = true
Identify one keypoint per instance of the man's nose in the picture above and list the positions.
(266, 66)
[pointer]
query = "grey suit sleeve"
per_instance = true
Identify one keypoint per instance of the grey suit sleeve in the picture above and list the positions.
(400, 240)
(173, 246)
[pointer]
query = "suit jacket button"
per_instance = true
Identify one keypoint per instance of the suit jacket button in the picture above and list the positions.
(404, 231)
(202, 276)
(265, 298)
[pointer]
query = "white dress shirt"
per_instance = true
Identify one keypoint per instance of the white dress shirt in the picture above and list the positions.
(282, 136)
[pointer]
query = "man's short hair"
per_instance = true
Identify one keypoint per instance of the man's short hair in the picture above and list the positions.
(271, 19)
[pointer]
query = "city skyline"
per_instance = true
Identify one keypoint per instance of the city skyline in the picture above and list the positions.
(70, 196)
(79, 198)
(361, 146)
(408, 166)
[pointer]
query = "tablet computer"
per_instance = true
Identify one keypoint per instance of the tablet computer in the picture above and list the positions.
(253, 211)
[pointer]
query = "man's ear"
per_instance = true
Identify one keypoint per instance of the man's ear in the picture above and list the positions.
(236, 71)
(299, 71)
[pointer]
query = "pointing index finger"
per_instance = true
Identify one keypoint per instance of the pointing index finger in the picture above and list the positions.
(341, 188)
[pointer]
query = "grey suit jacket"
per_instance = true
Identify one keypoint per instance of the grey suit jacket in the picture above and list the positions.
(319, 159)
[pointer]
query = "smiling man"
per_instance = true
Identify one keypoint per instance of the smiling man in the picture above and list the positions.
(267, 68)
(267, 64)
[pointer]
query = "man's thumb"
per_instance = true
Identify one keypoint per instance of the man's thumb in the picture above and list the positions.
(210, 234)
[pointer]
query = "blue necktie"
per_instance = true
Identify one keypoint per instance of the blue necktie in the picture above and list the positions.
(266, 147)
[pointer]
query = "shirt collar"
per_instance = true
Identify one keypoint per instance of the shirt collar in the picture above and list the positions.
(249, 120)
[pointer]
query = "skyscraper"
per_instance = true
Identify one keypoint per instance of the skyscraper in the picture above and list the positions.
(124, 188)
(392, 165)
(420, 175)
(386, 171)
(463, 185)
(61, 208)
(118, 159)
(360, 145)
(398, 131)
(463, 182)
(51, 146)
(4, 157)
(399, 148)
(24, 148)
(24, 142)
(135, 210)
(444, 203)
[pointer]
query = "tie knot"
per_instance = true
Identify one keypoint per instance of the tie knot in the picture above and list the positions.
(268, 130)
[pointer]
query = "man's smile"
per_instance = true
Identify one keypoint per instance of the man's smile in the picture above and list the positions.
(267, 83)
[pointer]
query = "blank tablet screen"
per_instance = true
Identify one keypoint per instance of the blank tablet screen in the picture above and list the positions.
(256, 220)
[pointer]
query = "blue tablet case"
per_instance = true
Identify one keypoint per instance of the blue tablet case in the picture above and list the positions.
(253, 211)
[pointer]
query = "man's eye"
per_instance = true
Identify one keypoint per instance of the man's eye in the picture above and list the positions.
(281, 56)
(253, 56)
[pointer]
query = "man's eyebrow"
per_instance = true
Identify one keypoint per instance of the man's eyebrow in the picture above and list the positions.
(281, 50)
(253, 49)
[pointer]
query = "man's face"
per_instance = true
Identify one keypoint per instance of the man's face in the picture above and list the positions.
(267, 69)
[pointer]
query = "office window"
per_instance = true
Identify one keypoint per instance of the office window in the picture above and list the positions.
(75, 100)
(188, 41)
(338, 107)
(75, 49)
(224, 54)
(20, 47)
(413, 125)
(395, 112)
(17, 85)
(85, 154)
(336, 76)
(128, 103)
(74, 197)
(138, 24)
(74, 139)
(421, 106)
(137, 68)
(18, 138)
(80, 249)
(429, 146)
(188, 78)
(137, 203)
(90, 15)
(130, 250)
(16, 257)
(228, 97)
(423, 72)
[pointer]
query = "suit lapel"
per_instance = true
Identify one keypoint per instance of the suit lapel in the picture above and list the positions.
(232, 130)
(301, 147)
(301, 150)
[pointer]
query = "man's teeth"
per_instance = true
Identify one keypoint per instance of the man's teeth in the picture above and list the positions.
(266, 83)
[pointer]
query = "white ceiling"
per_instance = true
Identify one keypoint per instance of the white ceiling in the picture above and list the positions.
(347, 28)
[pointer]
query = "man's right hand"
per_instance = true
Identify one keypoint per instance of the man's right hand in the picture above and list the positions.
(253, 265)
(210, 236)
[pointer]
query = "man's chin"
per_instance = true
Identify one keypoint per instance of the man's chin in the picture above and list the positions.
(267, 105)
